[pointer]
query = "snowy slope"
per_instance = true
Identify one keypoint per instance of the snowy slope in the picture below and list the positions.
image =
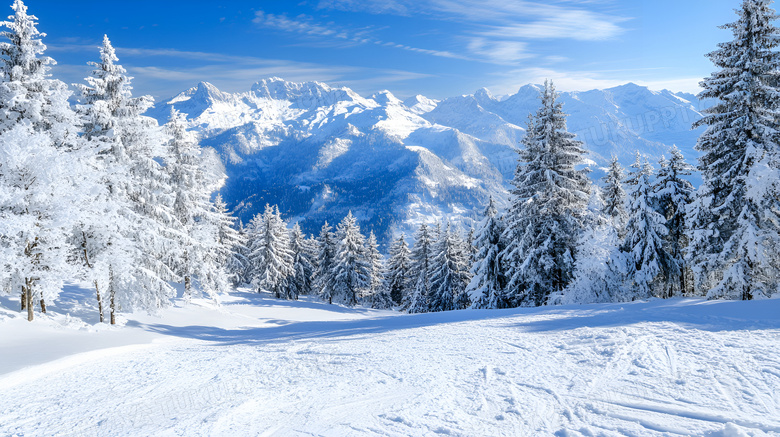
(320, 151)
(258, 366)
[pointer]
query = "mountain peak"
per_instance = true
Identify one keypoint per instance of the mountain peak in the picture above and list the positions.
(385, 97)
(420, 104)
(483, 94)
(305, 93)
(198, 98)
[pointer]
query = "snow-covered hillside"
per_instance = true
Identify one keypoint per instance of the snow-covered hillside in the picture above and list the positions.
(320, 151)
(260, 366)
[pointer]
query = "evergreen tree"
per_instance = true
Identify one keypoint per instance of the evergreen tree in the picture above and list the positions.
(272, 259)
(450, 273)
(351, 267)
(232, 243)
(599, 272)
(615, 195)
(734, 237)
(673, 194)
(131, 231)
(487, 284)
(200, 252)
(37, 153)
(547, 207)
(399, 272)
(303, 271)
(647, 261)
(416, 301)
(239, 266)
(376, 294)
(470, 246)
(326, 255)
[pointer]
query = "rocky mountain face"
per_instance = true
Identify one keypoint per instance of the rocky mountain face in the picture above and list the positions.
(319, 151)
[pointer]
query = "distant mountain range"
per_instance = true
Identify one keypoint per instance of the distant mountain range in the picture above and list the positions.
(319, 151)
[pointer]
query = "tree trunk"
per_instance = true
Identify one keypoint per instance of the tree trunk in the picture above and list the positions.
(99, 301)
(24, 298)
(187, 286)
(43, 306)
(112, 294)
(29, 304)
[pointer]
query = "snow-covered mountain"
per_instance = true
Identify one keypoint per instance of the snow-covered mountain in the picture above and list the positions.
(320, 151)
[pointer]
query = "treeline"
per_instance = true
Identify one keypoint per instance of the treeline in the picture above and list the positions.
(563, 240)
(342, 266)
(98, 192)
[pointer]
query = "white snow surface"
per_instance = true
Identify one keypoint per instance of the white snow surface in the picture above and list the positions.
(259, 366)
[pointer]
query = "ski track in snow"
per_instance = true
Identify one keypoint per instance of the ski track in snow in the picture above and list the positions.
(257, 366)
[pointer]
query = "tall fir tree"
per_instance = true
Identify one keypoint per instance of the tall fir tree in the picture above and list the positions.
(470, 246)
(547, 208)
(449, 273)
(599, 272)
(614, 196)
(303, 270)
(734, 239)
(376, 294)
(399, 273)
(416, 300)
(231, 242)
(487, 284)
(130, 237)
(351, 267)
(672, 195)
(326, 256)
(199, 250)
(272, 259)
(647, 261)
(38, 144)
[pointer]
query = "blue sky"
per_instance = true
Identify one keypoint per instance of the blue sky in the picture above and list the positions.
(437, 48)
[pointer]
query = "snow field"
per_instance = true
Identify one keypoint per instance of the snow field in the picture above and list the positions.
(257, 366)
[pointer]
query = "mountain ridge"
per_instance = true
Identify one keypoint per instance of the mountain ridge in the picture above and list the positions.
(320, 151)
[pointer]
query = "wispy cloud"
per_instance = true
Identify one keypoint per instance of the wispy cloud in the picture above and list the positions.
(566, 24)
(307, 26)
(228, 72)
(522, 19)
(499, 52)
(498, 30)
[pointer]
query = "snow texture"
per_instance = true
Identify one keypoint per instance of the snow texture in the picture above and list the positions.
(262, 366)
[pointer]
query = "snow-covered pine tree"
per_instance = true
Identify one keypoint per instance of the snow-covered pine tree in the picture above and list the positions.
(130, 238)
(547, 207)
(614, 196)
(398, 274)
(200, 251)
(647, 261)
(272, 259)
(376, 294)
(734, 240)
(487, 284)
(311, 251)
(300, 281)
(449, 273)
(351, 267)
(416, 300)
(326, 256)
(470, 245)
(38, 139)
(239, 265)
(672, 195)
(231, 242)
(599, 271)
